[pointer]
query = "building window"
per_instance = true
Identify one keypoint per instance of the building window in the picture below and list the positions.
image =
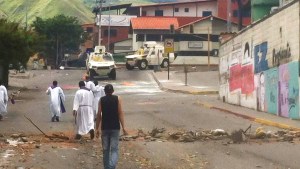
(89, 29)
(153, 37)
(176, 9)
(206, 13)
(159, 12)
(140, 37)
(113, 33)
(186, 9)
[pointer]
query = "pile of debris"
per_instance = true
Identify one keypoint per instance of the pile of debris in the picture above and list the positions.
(237, 136)
(161, 134)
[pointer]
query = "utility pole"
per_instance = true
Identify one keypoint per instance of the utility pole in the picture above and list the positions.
(99, 21)
(208, 48)
(108, 41)
(229, 15)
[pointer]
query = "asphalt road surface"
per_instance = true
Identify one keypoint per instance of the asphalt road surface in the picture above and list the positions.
(146, 108)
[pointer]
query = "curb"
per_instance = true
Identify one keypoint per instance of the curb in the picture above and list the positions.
(257, 120)
(208, 92)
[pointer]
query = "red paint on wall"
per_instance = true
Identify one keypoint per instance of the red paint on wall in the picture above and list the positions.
(235, 81)
(247, 79)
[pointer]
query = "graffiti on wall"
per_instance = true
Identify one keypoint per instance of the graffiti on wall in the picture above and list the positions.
(247, 57)
(235, 70)
(235, 78)
(260, 57)
(289, 90)
(293, 90)
(224, 67)
(260, 91)
(281, 56)
(247, 79)
(271, 77)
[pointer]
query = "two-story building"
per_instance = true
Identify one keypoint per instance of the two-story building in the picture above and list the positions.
(226, 9)
(196, 40)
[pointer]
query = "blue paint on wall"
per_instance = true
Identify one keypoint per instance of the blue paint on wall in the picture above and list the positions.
(271, 78)
(260, 57)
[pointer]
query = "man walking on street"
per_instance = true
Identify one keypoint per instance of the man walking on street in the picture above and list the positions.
(98, 93)
(110, 115)
(83, 111)
(3, 100)
(89, 84)
(57, 98)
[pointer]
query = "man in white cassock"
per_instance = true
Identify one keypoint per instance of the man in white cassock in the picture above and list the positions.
(3, 100)
(57, 98)
(83, 111)
(89, 84)
(98, 93)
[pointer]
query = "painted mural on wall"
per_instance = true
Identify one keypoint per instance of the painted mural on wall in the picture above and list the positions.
(271, 79)
(260, 89)
(247, 71)
(241, 76)
(260, 57)
(266, 76)
(289, 90)
(235, 71)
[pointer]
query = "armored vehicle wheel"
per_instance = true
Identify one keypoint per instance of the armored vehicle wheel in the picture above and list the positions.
(165, 63)
(142, 64)
(113, 74)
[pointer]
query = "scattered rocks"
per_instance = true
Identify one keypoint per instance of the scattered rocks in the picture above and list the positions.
(219, 132)
(236, 136)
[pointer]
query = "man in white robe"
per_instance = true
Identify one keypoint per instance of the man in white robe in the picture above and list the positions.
(3, 100)
(98, 93)
(89, 84)
(57, 98)
(83, 111)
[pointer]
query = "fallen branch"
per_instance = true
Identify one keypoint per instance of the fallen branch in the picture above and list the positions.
(54, 136)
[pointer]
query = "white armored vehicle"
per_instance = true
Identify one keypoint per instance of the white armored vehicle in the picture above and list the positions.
(150, 55)
(101, 63)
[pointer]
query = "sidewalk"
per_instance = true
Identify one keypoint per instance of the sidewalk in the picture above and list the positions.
(204, 83)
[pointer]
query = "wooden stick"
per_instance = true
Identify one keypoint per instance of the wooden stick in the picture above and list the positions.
(36, 126)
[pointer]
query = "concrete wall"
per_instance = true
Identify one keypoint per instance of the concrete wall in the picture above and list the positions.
(123, 46)
(259, 68)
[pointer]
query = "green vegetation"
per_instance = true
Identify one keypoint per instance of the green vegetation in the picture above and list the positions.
(63, 34)
(16, 46)
(15, 10)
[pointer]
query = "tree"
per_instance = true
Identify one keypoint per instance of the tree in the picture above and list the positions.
(16, 46)
(62, 34)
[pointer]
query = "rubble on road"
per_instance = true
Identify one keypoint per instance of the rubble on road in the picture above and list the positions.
(236, 136)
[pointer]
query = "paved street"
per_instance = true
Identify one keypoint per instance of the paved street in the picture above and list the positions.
(146, 108)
